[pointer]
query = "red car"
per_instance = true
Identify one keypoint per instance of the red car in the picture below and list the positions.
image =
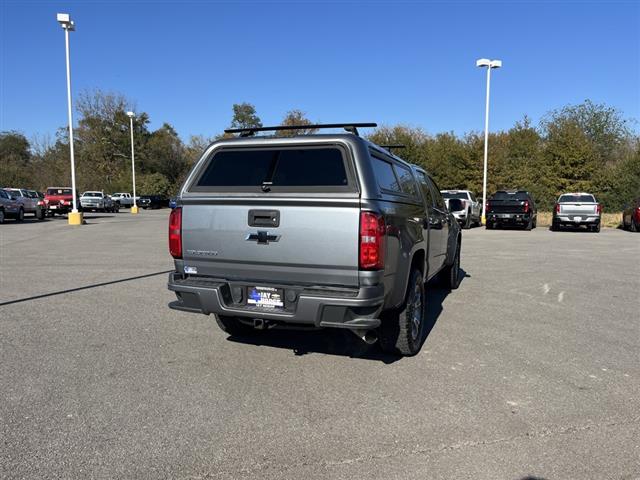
(631, 216)
(60, 200)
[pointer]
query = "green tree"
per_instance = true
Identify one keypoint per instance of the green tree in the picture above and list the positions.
(165, 154)
(604, 126)
(295, 118)
(103, 141)
(413, 140)
(153, 183)
(15, 157)
(244, 116)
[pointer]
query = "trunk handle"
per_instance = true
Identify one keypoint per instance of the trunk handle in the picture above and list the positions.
(264, 218)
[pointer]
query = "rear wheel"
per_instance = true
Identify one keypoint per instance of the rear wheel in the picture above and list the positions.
(20, 216)
(634, 225)
(233, 326)
(596, 228)
(40, 214)
(529, 225)
(467, 222)
(1, 216)
(402, 330)
(450, 274)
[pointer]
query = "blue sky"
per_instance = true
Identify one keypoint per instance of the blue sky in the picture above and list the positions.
(408, 62)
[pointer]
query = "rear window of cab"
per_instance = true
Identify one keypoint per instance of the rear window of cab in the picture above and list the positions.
(322, 169)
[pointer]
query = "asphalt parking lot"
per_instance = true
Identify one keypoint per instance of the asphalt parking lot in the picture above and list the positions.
(531, 368)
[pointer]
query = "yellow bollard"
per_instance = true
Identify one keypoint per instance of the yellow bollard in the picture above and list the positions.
(75, 218)
(134, 209)
(484, 220)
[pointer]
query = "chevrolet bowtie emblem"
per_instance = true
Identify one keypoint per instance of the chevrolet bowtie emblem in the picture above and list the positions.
(262, 237)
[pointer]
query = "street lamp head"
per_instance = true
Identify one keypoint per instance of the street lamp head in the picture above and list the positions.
(65, 21)
(131, 114)
(485, 62)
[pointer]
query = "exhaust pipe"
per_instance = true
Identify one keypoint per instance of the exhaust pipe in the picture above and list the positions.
(367, 336)
(370, 337)
(259, 324)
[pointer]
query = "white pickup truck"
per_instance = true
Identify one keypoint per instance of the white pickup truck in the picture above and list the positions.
(471, 209)
(575, 210)
(123, 199)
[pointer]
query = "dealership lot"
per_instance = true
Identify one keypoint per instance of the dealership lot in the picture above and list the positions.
(531, 368)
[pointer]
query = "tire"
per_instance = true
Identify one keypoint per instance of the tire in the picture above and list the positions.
(450, 274)
(233, 326)
(529, 225)
(20, 216)
(634, 225)
(402, 330)
(1, 216)
(554, 226)
(535, 222)
(467, 222)
(596, 228)
(488, 226)
(40, 214)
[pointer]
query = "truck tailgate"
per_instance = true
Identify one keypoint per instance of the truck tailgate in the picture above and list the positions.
(507, 206)
(310, 244)
(579, 209)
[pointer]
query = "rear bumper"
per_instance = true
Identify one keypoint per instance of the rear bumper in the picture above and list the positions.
(576, 220)
(509, 218)
(461, 217)
(352, 308)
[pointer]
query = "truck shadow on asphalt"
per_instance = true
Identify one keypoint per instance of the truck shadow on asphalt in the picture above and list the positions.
(85, 287)
(342, 342)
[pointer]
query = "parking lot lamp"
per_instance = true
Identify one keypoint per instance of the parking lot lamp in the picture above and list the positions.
(134, 207)
(489, 64)
(75, 217)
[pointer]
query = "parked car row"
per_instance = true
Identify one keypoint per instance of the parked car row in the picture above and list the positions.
(15, 203)
(517, 208)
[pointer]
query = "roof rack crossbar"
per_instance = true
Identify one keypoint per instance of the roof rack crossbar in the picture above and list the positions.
(349, 127)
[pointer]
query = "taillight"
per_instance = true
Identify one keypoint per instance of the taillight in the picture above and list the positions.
(599, 209)
(175, 233)
(372, 232)
(526, 206)
(487, 207)
(40, 203)
(557, 208)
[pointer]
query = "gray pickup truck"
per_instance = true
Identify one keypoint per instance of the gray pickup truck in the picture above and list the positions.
(319, 230)
(575, 210)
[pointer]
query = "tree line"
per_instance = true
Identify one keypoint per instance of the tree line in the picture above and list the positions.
(586, 147)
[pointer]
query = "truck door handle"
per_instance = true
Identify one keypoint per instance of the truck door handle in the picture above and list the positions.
(264, 218)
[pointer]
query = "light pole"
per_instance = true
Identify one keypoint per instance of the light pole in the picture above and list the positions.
(75, 217)
(489, 64)
(134, 207)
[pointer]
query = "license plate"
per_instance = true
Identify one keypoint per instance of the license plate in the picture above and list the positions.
(53, 207)
(265, 297)
(505, 215)
(577, 219)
